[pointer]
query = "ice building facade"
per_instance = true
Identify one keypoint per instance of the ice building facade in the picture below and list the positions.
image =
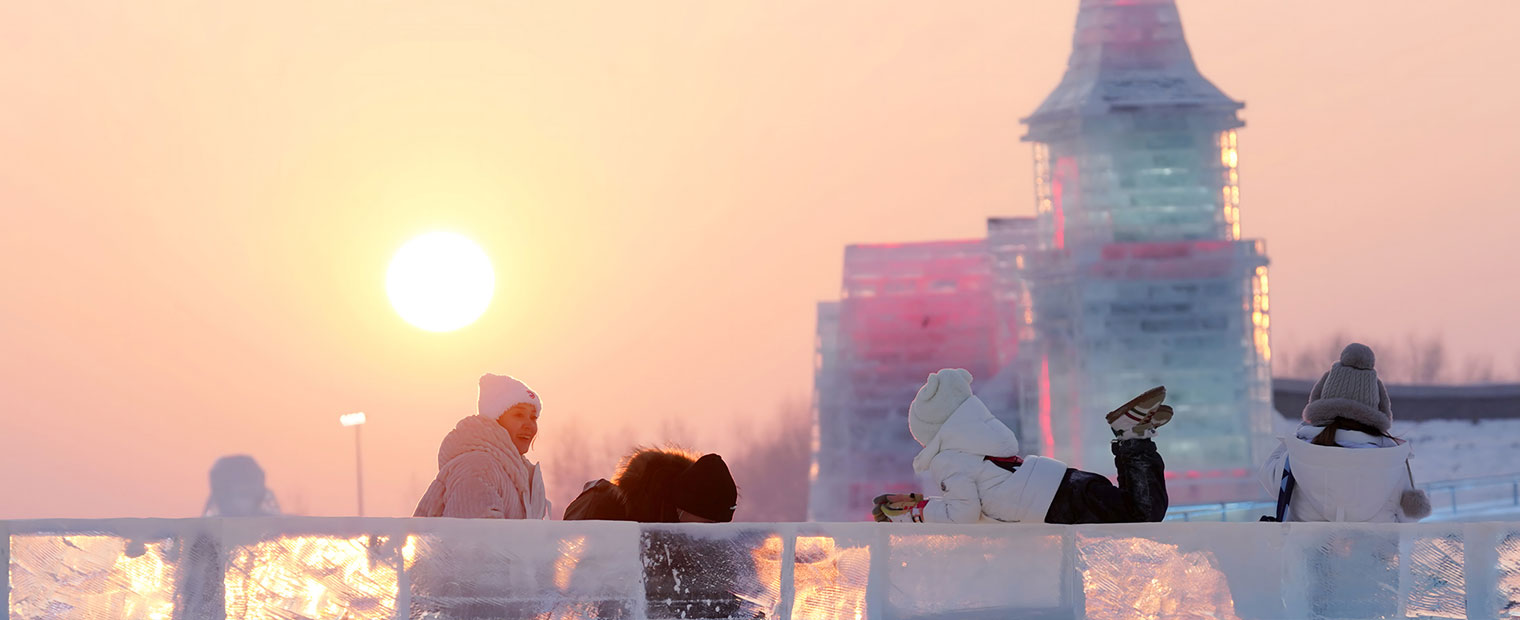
(1132, 273)
(905, 310)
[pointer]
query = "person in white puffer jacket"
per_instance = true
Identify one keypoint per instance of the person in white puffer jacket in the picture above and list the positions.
(1341, 464)
(973, 460)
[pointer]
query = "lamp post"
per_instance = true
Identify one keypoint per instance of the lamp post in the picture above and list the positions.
(356, 420)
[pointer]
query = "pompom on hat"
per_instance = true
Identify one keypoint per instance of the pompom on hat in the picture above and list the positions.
(1351, 390)
(942, 393)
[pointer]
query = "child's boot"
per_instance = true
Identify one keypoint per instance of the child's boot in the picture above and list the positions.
(1141, 416)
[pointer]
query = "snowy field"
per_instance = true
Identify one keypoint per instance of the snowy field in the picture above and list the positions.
(1454, 449)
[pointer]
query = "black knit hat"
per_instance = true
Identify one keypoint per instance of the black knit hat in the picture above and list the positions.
(706, 489)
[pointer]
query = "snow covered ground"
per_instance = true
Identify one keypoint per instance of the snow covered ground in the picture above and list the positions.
(1454, 449)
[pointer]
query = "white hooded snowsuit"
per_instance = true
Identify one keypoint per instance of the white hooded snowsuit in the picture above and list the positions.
(1362, 479)
(481, 475)
(975, 489)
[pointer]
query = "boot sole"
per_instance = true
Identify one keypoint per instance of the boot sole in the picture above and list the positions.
(1160, 417)
(1148, 400)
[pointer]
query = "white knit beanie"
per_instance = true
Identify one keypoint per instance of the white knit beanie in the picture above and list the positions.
(1352, 390)
(499, 392)
(942, 393)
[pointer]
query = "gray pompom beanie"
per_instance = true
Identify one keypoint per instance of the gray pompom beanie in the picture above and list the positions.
(1351, 390)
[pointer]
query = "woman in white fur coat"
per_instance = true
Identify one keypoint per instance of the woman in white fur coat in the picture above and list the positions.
(482, 470)
(972, 459)
(1344, 465)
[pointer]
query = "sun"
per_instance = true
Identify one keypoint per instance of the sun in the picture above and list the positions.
(440, 281)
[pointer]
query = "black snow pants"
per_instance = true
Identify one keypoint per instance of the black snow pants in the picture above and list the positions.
(1086, 497)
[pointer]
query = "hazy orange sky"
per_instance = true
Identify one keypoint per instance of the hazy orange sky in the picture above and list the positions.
(200, 201)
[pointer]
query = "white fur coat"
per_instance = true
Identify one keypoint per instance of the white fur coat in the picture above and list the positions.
(975, 489)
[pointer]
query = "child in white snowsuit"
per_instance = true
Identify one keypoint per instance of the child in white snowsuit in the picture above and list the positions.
(1341, 464)
(973, 460)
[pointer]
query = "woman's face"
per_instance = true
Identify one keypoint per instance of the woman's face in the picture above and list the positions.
(521, 421)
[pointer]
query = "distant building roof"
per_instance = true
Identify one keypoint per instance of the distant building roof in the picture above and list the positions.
(1418, 402)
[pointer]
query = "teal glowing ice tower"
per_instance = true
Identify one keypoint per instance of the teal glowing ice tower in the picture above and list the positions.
(1141, 276)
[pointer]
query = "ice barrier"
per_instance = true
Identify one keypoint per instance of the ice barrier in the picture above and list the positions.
(352, 568)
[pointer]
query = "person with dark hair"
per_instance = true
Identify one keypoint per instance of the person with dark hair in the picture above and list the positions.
(972, 459)
(1342, 464)
(661, 486)
(685, 575)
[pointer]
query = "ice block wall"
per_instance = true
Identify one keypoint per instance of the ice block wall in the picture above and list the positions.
(440, 568)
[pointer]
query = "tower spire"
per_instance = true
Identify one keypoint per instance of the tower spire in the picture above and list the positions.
(1126, 55)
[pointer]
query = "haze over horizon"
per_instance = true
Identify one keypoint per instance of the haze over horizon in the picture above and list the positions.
(201, 202)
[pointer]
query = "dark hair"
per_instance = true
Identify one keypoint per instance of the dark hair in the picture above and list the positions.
(1327, 437)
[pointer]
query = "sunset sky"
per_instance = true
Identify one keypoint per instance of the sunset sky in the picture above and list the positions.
(200, 200)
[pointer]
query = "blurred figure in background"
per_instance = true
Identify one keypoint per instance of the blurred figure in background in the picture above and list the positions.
(237, 489)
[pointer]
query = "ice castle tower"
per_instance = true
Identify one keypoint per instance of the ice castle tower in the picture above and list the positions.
(1132, 273)
(1140, 276)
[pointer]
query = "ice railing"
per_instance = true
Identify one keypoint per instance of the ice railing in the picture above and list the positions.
(1490, 498)
(351, 568)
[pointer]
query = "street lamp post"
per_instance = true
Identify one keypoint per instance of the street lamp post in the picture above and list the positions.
(356, 420)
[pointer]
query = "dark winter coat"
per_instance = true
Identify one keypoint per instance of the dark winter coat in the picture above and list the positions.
(639, 492)
(684, 576)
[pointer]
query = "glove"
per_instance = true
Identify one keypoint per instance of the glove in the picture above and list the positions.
(899, 508)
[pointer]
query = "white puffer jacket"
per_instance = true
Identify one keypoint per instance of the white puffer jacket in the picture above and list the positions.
(1364, 478)
(975, 489)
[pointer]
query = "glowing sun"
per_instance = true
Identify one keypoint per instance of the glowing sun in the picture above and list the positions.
(440, 281)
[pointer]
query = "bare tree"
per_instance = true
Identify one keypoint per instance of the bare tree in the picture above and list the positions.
(1296, 365)
(772, 470)
(296, 503)
(1479, 370)
(1426, 359)
(1414, 359)
(1313, 360)
(572, 456)
(677, 431)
